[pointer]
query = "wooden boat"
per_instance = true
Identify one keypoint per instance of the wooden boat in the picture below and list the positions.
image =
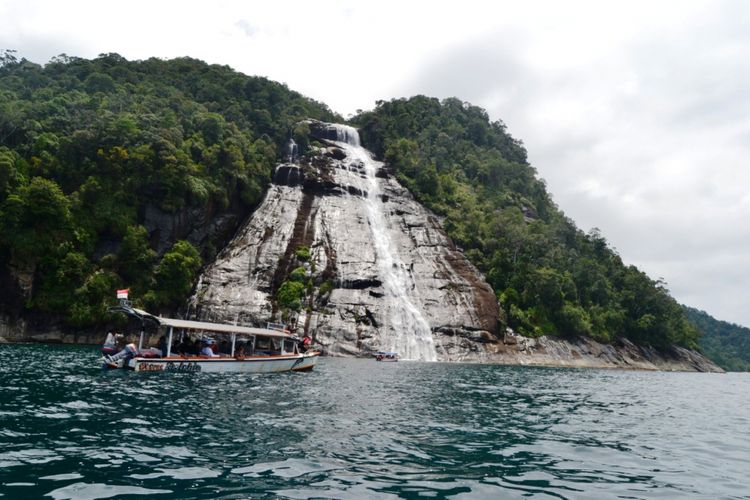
(251, 350)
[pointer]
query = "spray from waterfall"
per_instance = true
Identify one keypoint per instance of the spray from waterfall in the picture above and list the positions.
(408, 331)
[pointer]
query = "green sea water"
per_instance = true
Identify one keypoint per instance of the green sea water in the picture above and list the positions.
(362, 429)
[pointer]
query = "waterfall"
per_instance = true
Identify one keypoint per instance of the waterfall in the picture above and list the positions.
(343, 133)
(292, 151)
(408, 332)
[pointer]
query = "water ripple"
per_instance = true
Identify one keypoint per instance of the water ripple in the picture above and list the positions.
(361, 429)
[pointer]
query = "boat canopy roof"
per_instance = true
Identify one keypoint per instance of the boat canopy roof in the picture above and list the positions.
(203, 326)
(221, 327)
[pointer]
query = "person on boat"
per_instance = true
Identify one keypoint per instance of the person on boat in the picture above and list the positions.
(306, 342)
(129, 352)
(222, 348)
(239, 352)
(110, 344)
(162, 345)
(183, 348)
(195, 349)
(207, 349)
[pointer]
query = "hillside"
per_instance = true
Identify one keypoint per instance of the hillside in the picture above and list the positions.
(727, 344)
(119, 173)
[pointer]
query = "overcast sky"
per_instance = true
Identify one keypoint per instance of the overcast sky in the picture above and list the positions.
(636, 114)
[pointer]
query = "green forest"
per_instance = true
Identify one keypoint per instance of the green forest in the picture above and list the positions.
(87, 146)
(727, 344)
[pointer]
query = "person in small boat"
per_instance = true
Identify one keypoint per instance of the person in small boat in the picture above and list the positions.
(155, 352)
(239, 351)
(162, 345)
(110, 344)
(222, 348)
(306, 342)
(207, 348)
(129, 352)
(195, 349)
(183, 348)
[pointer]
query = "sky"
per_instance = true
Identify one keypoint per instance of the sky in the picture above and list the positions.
(635, 113)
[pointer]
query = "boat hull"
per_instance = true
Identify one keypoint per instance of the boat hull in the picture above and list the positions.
(260, 364)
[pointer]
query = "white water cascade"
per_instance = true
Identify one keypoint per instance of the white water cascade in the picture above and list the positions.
(408, 332)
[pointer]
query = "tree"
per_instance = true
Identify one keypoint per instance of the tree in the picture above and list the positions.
(290, 295)
(36, 220)
(8, 57)
(135, 258)
(10, 177)
(175, 275)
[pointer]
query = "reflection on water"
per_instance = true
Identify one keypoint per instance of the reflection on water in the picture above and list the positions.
(358, 429)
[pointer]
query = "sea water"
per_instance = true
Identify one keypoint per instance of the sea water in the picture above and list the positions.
(356, 428)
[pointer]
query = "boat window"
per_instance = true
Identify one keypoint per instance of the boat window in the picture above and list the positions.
(289, 346)
(262, 344)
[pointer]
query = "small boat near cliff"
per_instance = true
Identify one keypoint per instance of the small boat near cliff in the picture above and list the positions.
(247, 349)
(386, 356)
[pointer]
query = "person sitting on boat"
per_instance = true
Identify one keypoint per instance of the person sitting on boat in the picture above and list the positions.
(221, 348)
(110, 344)
(195, 349)
(183, 348)
(129, 352)
(239, 352)
(162, 345)
(207, 348)
(306, 342)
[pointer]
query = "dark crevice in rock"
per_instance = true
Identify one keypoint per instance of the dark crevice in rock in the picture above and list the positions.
(383, 173)
(301, 236)
(335, 153)
(359, 284)
(371, 317)
(288, 175)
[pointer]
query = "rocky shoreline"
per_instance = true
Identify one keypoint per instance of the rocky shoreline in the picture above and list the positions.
(583, 352)
(512, 349)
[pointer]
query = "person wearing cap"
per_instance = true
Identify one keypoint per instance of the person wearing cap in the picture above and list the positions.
(206, 348)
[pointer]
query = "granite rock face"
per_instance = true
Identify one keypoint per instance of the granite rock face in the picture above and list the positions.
(381, 275)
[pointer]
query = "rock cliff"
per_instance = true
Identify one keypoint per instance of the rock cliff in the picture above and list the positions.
(585, 352)
(381, 273)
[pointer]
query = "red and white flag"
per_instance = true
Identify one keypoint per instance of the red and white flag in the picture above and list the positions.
(122, 294)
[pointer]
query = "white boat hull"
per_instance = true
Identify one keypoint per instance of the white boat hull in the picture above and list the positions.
(259, 364)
